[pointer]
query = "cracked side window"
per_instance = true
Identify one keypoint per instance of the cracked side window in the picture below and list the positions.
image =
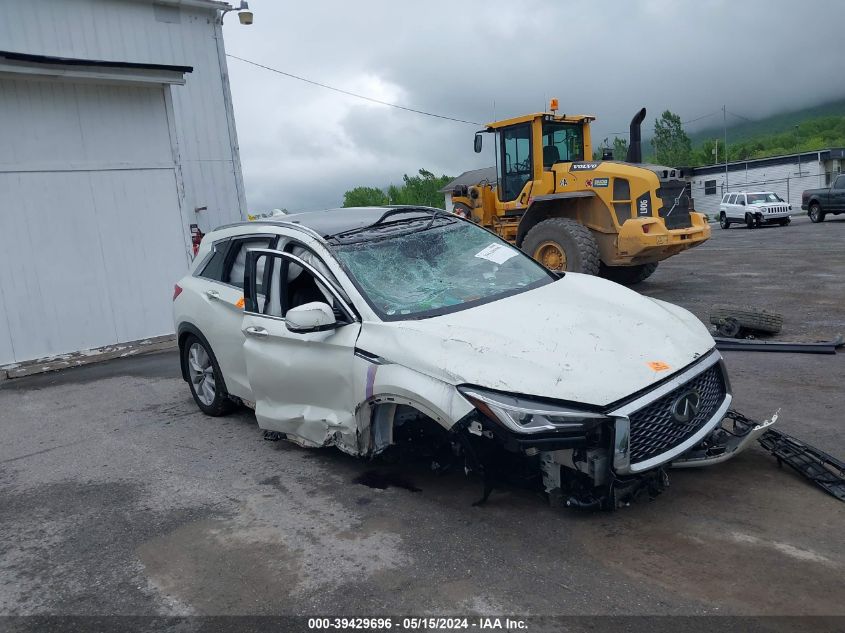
(436, 270)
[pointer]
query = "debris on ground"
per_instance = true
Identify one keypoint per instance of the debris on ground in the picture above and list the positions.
(822, 469)
(738, 430)
(750, 345)
(734, 321)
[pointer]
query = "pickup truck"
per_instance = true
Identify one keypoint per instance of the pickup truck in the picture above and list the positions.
(819, 202)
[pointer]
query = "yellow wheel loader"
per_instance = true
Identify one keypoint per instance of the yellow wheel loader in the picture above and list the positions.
(601, 217)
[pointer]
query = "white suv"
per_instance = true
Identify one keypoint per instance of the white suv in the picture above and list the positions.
(376, 329)
(753, 208)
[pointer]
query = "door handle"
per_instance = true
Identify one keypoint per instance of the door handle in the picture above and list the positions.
(256, 331)
(212, 294)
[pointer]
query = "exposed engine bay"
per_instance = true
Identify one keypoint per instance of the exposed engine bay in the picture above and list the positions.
(580, 477)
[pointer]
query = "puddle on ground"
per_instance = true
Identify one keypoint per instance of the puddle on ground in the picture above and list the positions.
(382, 481)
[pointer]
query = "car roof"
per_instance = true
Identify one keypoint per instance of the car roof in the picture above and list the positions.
(330, 222)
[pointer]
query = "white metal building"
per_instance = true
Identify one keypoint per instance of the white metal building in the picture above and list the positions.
(788, 176)
(472, 177)
(117, 135)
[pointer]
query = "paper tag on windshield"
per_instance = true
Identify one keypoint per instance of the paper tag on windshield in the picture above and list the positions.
(496, 253)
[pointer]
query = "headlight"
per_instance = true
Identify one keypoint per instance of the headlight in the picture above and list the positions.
(527, 416)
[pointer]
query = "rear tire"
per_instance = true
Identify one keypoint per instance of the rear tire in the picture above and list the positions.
(628, 275)
(723, 221)
(816, 214)
(562, 244)
(205, 378)
(747, 317)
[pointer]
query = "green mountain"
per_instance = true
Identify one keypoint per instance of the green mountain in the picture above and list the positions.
(818, 127)
(775, 124)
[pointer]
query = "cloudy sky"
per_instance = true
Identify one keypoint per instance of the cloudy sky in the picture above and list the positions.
(302, 146)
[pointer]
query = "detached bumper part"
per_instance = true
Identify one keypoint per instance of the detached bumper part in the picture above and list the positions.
(728, 440)
(824, 470)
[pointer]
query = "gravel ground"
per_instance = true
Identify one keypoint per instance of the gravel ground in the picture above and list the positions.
(118, 497)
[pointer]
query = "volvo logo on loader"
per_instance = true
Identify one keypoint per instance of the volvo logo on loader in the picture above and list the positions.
(686, 407)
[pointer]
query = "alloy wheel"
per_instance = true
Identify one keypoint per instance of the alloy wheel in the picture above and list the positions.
(202, 374)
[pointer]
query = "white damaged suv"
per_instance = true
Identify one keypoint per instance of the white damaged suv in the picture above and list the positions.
(376, 329)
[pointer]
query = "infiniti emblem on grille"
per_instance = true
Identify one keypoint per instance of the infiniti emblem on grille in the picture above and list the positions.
(686, 406)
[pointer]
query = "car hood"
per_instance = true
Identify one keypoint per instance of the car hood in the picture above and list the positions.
(582, 339)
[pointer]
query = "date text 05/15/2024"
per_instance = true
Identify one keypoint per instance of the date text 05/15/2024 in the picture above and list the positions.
(481, 623)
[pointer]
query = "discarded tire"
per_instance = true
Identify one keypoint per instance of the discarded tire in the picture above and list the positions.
(729, 328)
(748, 318)
(628, 275)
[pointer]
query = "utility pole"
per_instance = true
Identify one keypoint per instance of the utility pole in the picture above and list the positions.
(798, 149)
(725, 123)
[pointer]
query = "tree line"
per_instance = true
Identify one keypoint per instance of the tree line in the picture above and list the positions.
(423, 189)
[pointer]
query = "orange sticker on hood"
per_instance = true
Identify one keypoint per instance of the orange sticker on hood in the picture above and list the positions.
(240, 303)
(658, 365)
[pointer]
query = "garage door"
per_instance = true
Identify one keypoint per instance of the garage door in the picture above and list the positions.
(91, 236)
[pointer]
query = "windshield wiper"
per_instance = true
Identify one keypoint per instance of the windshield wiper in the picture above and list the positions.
(382, 223)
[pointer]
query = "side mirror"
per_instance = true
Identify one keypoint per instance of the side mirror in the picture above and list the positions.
(478, 142)
(310, 317)
(742, 202)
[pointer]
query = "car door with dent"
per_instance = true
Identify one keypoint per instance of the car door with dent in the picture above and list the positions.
(302, 382)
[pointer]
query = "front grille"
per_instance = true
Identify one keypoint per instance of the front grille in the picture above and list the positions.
(676, 204)
(654, 430)
(771, 210)
(776, 209)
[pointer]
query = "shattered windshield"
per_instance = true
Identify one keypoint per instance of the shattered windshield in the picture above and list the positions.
(437, 269)
(762, 198)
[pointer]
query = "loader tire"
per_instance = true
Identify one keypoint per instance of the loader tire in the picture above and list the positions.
(748, 318)
(562, 244)
(628, 275)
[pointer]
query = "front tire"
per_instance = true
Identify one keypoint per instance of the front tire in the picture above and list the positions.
(628, 275)
(205, 378)
(785, 221)
(749, 221)
(562, 244)
(723, 221)
(816, 214)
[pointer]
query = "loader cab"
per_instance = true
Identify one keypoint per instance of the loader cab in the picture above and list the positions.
(529, 145)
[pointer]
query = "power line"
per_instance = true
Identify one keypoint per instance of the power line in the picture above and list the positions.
(703, 116)
(352, 94)
(739, 116)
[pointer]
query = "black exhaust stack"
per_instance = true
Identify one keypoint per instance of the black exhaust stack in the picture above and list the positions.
(635, 148)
